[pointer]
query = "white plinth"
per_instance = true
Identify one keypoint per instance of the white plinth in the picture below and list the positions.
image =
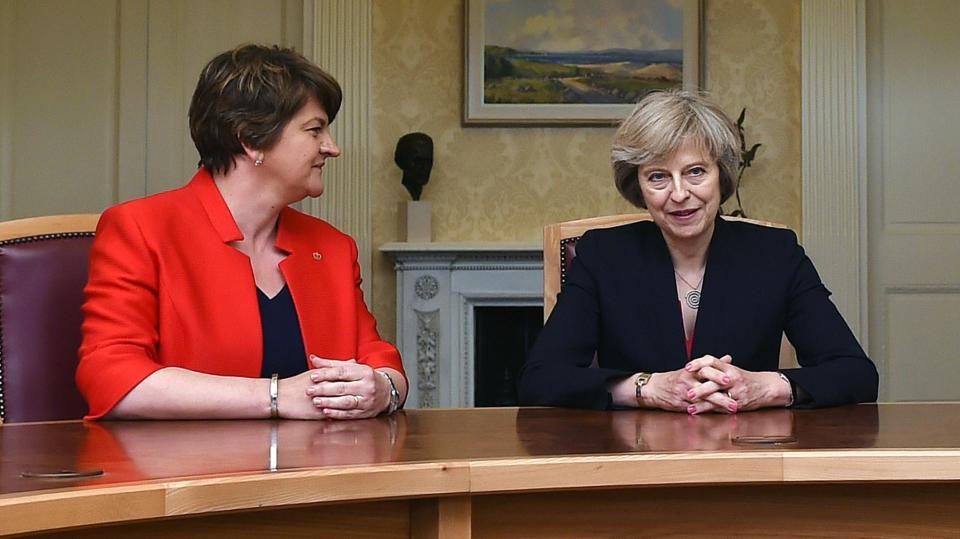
(415, 221)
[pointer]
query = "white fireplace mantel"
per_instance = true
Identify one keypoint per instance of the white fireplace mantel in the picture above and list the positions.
(438, 287)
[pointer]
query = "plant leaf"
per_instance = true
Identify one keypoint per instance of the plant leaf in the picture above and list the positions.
(750, 155)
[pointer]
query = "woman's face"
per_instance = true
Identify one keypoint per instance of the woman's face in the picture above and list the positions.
(682, 193)
(296, 161)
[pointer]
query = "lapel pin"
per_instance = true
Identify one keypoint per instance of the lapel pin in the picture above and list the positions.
(317, 256)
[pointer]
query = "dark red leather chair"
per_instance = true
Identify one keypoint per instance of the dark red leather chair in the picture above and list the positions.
(43, 269)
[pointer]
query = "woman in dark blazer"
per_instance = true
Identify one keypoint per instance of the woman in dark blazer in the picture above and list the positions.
(686, 312)
(218, 300)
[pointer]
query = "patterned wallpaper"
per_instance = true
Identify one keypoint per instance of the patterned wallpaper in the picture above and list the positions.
(505, 184)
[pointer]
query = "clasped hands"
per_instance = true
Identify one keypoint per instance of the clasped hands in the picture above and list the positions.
(712, 384)
(334, 389)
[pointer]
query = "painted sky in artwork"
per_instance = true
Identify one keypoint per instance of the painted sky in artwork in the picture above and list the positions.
(584, 25)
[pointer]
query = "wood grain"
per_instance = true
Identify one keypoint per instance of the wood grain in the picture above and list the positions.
(842, 511)
(560, 473)
(442, 518)
(313, 486)
(51, 224)
(488, 472)
(894, 465)
(377, 520)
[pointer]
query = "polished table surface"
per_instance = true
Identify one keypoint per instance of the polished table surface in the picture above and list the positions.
(163, 468)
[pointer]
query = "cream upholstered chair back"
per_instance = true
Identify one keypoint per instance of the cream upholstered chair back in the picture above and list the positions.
(43, 269)
(560, 248)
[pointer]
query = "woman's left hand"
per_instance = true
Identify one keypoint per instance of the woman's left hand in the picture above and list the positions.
(725, 387)
(347, 389)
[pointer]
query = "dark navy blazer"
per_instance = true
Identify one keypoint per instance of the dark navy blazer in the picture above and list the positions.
(620, 302)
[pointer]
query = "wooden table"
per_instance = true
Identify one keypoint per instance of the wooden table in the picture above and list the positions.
(873, 470)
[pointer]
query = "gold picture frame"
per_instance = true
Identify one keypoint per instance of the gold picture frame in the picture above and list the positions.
(518, 83)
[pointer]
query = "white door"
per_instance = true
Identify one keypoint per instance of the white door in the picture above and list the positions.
(913, 171)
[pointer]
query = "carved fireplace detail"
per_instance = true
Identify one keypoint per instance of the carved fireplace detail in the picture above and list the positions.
(438, 287)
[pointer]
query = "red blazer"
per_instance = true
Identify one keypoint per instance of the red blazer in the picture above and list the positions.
(167, 289)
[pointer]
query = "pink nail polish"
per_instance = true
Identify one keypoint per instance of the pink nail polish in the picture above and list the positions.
(691, 394)
(692, 410)
(732, 407)
(726, 379)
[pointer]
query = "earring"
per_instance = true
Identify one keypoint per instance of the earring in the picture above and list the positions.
(258, 162)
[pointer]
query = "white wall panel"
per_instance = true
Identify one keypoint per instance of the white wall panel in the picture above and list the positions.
(921, 48)
(60, 106)
(183, 37)
(913, 79)
(922, 344)
(94, 94)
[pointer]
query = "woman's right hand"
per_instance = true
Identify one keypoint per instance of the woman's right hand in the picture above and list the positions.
(665, 391)
(668, 390)
(293, 402)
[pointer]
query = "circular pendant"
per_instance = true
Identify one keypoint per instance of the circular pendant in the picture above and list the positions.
(693, 299)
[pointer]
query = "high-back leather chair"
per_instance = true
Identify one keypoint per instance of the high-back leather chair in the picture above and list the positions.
(43, 269)
(560, 248)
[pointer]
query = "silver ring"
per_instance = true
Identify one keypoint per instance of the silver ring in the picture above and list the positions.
(356, 399)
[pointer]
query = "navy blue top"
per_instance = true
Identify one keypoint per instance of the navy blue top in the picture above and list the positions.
(283, 351)
(620, 304)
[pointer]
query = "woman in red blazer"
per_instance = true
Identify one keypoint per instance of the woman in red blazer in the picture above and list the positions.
(217, 300)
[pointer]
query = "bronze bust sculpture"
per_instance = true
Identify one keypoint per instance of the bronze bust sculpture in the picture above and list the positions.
(414, 155)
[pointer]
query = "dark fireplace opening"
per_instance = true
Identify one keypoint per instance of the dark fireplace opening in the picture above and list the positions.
(502, 338)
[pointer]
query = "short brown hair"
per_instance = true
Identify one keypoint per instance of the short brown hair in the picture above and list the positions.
(248, 94)
(659, 125)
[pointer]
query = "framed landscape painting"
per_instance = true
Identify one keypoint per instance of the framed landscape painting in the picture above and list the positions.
(574, 62)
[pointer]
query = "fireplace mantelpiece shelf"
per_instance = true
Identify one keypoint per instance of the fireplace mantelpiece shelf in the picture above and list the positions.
(438, 287)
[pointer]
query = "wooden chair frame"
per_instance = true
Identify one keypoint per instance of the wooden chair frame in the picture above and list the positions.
(50, 224)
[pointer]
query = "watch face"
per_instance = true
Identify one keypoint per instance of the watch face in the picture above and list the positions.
(642, 380)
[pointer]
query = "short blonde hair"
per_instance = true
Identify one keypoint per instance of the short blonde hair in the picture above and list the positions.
(659, 125)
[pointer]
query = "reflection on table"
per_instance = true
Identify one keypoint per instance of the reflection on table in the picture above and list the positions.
(472, 467)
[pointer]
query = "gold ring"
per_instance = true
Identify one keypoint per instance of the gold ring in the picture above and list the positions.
(356, 398)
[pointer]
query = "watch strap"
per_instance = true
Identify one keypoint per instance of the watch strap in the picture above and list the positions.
(642, 379)
(394, 395)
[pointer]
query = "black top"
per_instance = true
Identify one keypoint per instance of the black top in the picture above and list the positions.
(620, 302)
(283, 351)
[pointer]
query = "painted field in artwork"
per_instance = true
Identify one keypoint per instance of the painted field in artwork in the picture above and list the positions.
(580, 52)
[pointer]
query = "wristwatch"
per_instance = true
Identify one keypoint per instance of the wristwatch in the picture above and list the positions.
(642, 379)
(394, 395)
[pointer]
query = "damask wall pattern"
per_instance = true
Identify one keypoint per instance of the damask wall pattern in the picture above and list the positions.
(505, 184)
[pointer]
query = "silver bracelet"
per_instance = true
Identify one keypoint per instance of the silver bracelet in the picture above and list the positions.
(274, 394)
(789, 383)
(394, 395)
